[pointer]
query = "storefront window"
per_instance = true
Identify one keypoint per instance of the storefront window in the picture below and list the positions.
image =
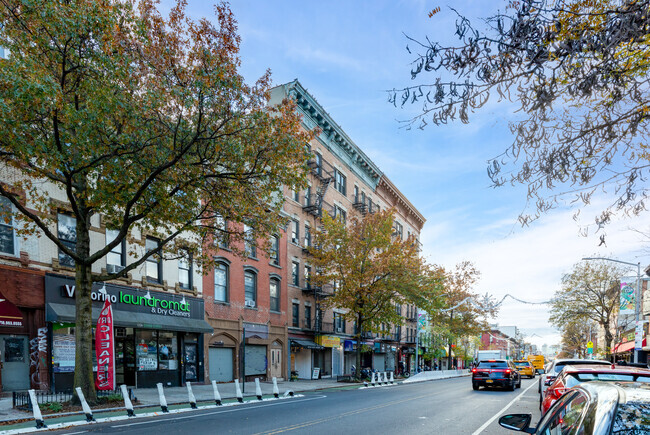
(167, 345)
(63, 350)
(146, 350)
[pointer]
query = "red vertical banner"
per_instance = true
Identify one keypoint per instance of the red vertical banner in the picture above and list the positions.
(105, 349)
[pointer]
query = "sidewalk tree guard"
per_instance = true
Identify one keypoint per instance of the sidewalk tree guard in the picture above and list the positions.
(145, 122)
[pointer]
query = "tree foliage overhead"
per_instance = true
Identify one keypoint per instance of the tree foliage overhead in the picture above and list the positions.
(110, 109)
(577, 71)
(590, 293)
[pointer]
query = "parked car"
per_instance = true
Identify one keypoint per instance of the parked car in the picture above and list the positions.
(495, 373)
(573, 375)
(552, 370)
(592, 408)
(525, 368)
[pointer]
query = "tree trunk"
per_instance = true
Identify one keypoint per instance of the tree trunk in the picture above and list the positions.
(83, 374)
(359, 336)
(451, 321)
(608, 341)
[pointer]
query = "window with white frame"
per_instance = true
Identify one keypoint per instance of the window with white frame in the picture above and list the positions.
(67, 232)
(274, 290)
(221, 235)
(295, 232)
(116, 258)
(295, 278)
(185, 270)
(221, 282)
(250, 289)
(399, 230)
(249, 242)
(275, 250)
(154, 262)
(7, 236)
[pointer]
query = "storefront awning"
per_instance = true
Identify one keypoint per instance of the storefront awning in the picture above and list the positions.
(66, 313)
(307, 344)
(627, 346)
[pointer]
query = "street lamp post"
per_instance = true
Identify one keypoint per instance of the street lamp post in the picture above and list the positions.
(637, 295)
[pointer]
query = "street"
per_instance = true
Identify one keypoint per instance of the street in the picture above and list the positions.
(444, 406)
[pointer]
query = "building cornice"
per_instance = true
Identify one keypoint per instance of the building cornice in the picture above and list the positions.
(401, 200)
(331, 132)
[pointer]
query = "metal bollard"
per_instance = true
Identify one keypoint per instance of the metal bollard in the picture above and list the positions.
(84, 405)
(392, 379)
(240, 397)
(38, 417)
(258, 389)
(217, 396)
(276, 391)
(127, 402)
(288, 393)
(161, 396)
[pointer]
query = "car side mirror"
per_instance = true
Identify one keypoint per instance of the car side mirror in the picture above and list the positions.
(518, 422)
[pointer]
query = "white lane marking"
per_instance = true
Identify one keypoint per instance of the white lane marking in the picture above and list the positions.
(73, 433)
(215, 412)
(498, 414)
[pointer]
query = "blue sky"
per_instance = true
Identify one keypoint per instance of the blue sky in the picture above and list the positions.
(347, 54)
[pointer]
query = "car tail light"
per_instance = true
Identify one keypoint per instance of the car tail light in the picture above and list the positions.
(473, 370)
(507, 371)
(559, 391)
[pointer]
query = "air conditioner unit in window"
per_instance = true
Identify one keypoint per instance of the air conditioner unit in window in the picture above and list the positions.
(113, 268)
(250, 304)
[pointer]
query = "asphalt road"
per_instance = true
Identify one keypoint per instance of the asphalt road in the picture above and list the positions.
(445, 406)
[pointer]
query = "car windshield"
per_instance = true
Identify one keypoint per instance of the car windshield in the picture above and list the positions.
(493, 365)
(632, 418)
(522, 364)
(559, 366)
(576, 378)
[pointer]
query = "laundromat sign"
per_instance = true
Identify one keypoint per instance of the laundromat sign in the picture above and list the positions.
(62, 290)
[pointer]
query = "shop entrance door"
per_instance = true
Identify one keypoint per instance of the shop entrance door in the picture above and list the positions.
(15, 362)
(276, 363)
(191, 362)
(124, 357)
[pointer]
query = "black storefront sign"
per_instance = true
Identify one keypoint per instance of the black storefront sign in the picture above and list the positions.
(159, 336)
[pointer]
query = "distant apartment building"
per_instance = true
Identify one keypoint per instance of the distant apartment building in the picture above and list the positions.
(343, 182)
(37, 310)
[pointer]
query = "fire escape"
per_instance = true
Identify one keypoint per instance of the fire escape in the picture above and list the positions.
(315, 205)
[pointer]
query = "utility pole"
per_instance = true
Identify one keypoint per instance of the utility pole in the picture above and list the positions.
(451, 321)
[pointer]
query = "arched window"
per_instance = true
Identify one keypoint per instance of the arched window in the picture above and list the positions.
(250, 289)
(221, 282)
(274, 290)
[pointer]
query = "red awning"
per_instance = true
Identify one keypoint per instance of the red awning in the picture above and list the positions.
(627, 346)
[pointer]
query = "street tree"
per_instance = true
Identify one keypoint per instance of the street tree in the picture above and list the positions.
(590, 293)
(576, 71)
(371, 269)
(575, 336)
(142, 121)
(464, 314)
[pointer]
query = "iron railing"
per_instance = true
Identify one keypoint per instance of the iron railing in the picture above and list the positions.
(21, 398)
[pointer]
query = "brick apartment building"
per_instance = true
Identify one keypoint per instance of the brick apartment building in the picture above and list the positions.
(343, 181)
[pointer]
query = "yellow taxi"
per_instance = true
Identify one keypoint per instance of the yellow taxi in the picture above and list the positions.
(525, 368)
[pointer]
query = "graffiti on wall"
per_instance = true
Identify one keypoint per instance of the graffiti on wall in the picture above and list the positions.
(38, 360)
